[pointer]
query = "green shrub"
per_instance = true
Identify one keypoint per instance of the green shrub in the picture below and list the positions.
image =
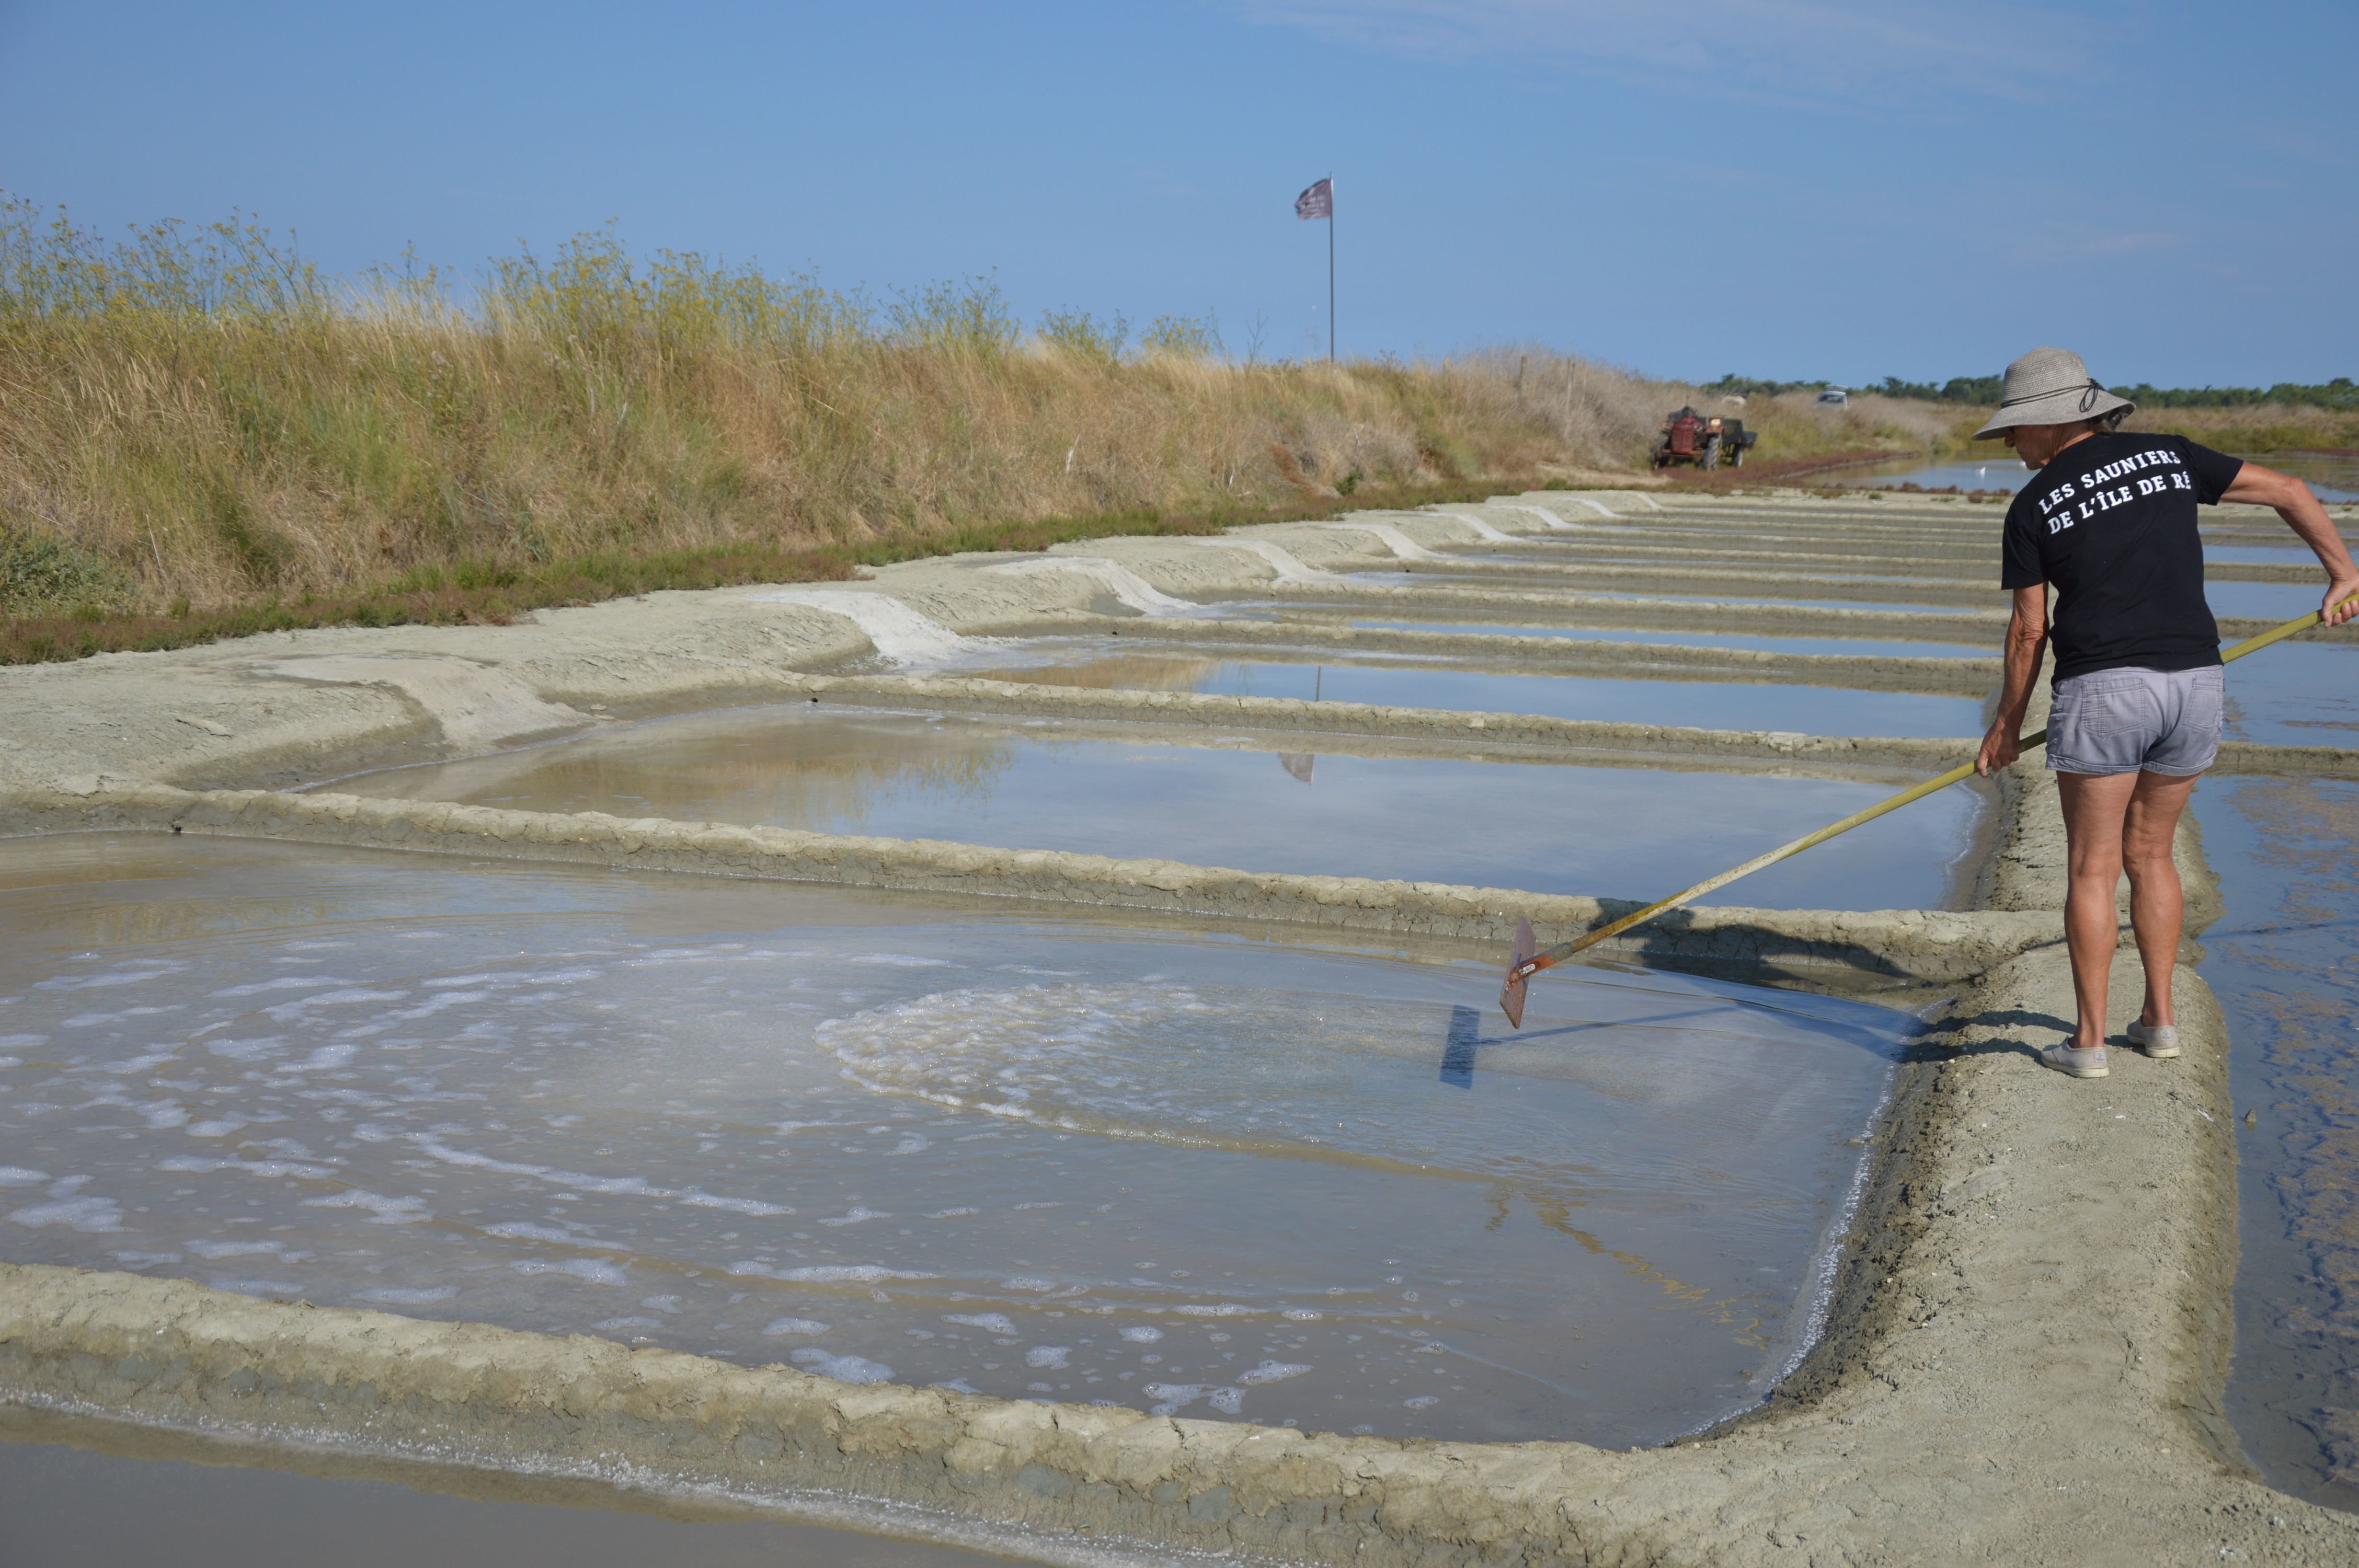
(39, 569)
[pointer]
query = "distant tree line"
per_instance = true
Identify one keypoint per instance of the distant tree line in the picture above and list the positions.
(1983, 391)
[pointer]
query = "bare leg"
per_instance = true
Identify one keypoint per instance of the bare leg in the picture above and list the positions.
(2148, 831)
(2094, 807)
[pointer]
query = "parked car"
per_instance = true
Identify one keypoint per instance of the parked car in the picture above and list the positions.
(1834, 397)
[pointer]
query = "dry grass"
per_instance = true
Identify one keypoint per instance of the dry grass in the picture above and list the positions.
(196, 424)
(2264, 427)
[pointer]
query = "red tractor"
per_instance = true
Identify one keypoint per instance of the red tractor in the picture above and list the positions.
(1706, 440)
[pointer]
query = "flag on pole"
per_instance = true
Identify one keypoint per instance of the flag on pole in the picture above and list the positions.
(1319, 201)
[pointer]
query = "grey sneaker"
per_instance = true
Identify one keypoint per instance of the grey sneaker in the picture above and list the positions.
(2089, 1064)
(2157, 1040)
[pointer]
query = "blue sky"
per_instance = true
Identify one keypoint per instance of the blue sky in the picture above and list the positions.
(1784, 188)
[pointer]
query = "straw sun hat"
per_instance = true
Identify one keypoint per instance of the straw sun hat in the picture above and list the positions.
(2048, 386)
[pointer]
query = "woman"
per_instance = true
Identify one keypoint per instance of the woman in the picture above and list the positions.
(2109, 522)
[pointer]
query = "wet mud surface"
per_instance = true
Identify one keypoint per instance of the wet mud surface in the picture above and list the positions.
(1052, 785)
(1209, 1176)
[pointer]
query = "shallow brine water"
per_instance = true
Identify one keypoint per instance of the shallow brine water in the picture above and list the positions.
(75, 1491)
(1851, 647)
(2296, 694)
(2332, 477)
(1048, 785)
(878, 1140)
(1808, 709)
(2285, 965)
(2269, 601)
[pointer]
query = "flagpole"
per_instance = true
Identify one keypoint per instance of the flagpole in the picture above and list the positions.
(1330, 269)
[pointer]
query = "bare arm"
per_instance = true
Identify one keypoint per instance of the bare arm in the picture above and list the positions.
(2027, 649)
(2303, 514)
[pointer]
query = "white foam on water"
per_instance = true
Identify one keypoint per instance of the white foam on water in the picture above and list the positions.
(1289, 566)
(1171, 1396)
(577, 1181)
(525, 1230)
(189, 1165)
(989, 1321)
(18, 1177)
(405, 1295)
(1551, 518)
(1117, 579)
(595, 1270)
(896, 632)
(1049, 1356)
(214, 1251)
(777, 1325)
(140, 975)
(1398, 543)
(1483, 530)
(282, 983)
(1140, 1335)
(827, 1273)
(88, 1215)
(1272, 1372)
(843, 1369)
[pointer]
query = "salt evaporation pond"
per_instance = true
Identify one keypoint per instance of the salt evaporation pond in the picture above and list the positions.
(2296, 694)
(1048, 785)
(81, 1491)
(2269, 601)
(1853, 647)
(1035, 1157)
(1807, 709)
(2284, 964)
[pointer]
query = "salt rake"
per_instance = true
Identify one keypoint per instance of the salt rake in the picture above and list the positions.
(1526, 962)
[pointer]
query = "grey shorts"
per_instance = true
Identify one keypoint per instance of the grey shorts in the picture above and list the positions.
(2137, 721)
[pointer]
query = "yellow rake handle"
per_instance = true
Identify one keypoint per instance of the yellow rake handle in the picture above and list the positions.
(1564, 951)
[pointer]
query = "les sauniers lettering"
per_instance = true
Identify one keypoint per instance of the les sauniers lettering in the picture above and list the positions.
(2077, 501)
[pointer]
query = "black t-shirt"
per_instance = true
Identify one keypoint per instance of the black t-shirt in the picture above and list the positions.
(2111, 523)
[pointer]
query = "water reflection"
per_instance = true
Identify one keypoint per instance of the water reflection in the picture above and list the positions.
(1708, 704)
(1038, 784)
